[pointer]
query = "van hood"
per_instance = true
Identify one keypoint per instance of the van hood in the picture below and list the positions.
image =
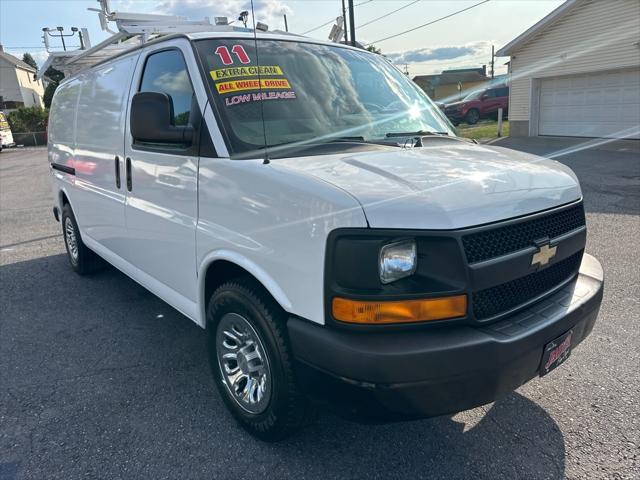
(447, 185)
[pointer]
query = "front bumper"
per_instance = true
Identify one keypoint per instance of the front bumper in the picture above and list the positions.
(435, 371)
(454, 115)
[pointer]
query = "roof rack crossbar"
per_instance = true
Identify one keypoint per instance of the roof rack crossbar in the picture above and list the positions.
(130, 27)
(85, 53)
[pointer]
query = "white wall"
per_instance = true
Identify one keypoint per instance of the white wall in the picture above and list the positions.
(9, 86)
(32, 91)
(597, 35)
(18, 85)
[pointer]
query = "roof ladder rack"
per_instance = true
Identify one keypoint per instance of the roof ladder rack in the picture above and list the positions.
(133, 29)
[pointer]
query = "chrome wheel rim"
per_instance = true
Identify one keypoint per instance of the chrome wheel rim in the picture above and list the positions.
(70, 237)
(243, 363)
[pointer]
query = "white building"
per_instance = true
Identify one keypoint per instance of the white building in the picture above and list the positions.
(577, 72)
(17, 86)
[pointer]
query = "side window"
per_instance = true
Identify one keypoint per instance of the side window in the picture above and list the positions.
(491, 93)
(166, 72)
(503, 92)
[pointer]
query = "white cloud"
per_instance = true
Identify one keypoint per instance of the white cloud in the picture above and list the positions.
(435, 59)
(40, 56)
(440, 53)
(267, 11)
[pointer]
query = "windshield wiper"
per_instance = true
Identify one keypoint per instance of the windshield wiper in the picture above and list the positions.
(346, 139)
(313, 142)
(419, 133)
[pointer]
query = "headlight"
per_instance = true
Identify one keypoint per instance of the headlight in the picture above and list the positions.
(397, 260)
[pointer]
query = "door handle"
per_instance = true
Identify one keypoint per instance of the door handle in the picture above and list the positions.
(117, 165)
(127, 168)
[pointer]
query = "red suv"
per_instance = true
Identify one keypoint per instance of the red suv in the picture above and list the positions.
(477, 105)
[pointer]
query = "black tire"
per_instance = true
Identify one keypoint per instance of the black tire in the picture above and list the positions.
(472, 117)
(84, 261)
(287, 409)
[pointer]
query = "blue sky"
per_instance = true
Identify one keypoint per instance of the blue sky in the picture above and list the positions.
(461, 41)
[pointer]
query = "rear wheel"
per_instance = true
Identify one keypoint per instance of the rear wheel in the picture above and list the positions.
(251, 361)
(472, 116)
(82, 259)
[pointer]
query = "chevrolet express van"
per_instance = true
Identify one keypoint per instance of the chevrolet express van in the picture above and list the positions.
(310, 208)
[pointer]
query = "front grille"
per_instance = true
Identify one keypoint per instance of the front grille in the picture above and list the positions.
(501, 298)
(502, 240)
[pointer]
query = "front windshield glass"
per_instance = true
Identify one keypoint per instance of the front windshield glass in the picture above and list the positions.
(311, 93)
(474, 95)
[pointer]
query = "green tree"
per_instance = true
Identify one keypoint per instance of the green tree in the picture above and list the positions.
(28, 119)
(28, 59)
(374, 49)
(56, 77)
(53, 74)
(48, 94)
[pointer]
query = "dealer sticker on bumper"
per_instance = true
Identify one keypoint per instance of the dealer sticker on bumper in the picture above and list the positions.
(555, 353)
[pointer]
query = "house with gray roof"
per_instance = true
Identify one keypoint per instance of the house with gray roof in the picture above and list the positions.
(18, 88)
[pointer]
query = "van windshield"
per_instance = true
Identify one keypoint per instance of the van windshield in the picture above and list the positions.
(310, 93)
(473, 95)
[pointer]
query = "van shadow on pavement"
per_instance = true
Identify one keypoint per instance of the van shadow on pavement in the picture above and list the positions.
(102, 379)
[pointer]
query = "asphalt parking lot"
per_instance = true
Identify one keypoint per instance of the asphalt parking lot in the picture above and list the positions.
(100, 379)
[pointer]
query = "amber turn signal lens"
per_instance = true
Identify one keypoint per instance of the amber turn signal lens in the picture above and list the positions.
(405, 311)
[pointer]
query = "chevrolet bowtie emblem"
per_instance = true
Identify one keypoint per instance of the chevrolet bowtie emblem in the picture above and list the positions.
(543, 255)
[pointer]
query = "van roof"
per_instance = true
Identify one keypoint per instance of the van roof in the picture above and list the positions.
(195, 36)
(137, 30)
(273, 35)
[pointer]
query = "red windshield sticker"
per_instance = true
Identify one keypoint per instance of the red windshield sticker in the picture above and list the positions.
(253, 84)
(239, 51)
(255, 97)
(225, 56)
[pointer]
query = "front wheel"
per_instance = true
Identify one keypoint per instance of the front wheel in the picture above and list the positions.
(472, 116)
(251, 361)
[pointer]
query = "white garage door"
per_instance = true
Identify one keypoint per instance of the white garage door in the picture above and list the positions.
(592, 105)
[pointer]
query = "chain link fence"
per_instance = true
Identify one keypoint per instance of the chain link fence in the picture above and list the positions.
(30, 139)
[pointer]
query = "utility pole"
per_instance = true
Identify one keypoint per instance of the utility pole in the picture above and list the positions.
(344, 21)
(286, 25)
(493, 57)
(352, 24)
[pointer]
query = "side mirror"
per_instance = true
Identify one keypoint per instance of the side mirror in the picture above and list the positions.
(151, 115)
(484, 96)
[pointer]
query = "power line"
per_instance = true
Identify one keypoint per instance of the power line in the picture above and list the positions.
(319, 26)
(387, 14)
(333, 19)
(428, 23)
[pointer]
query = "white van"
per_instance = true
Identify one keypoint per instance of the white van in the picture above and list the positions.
(6, 137)
(310, 207)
